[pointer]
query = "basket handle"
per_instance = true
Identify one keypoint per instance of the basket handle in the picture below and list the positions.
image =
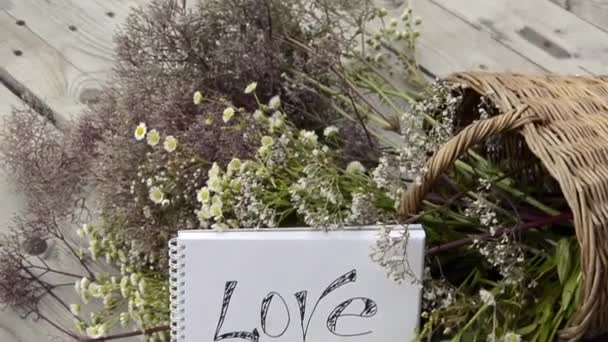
(453, 149)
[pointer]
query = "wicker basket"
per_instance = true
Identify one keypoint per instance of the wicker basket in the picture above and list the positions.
(564, 123)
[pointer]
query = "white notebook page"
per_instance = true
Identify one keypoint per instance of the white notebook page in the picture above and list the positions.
(295, 286)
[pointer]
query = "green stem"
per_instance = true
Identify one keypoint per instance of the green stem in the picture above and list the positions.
(380, 93)
(468, 325)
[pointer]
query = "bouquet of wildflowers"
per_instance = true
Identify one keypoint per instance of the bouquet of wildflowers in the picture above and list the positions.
(186, 138)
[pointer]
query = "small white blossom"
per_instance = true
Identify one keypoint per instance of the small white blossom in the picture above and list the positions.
(235, 164)
(140, 131)
(308, 136)
(75, 309)
(124, 319)
(197, 97)
(251, 87)
(487, 297)
(512, 337)
(84, 283)
(330, 130)
(267, 141)
(228, 114)
(170, 143)
(217, 200)
(203, 195)
(214, 171)
(276, 120)
(355, 167)
(274, 102)
(94, 331)
(153, 137)
(214, 184)
(258, 115)
(156, 195)
(220, 227)
(216, 211)
(204, 214)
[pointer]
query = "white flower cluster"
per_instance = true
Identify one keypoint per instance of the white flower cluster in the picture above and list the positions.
(390, 252)
(363, 210)
(218, 196)
(388, 176)
(436, 293)
(146, 298)
(480, 209)
(505, 255)
(250, 209)
(317, 200)
(420, 141)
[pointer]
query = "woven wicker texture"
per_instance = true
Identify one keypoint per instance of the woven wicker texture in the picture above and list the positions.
(564, 121)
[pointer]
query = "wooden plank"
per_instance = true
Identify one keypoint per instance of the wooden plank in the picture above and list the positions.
(41, 68)
(558, 40)
(592, 11)
(448, 44)
(62, 50)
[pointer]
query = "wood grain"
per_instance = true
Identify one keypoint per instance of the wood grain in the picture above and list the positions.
(62, 50)
(448, 44)
(592, 11)
(540, 31)
(42, 68)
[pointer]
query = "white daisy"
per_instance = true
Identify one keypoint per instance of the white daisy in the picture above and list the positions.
(234, 165)
(214, 184)
(512, 337)
(140, 131)
(197, 98)
(228, 114)
(251, 87)
(156, 195)
(75, 309)
(216, 211)
(267, 141)
(258, 115)
(355, 167)
(170, 143)
(330, 130)
(487, 297)
(214, 171)
(153, 137)
(203, 195)
(274, 102)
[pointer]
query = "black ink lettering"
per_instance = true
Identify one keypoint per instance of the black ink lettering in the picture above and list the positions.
(348, 277)
(369, 310)
(253, 336)
(264, 313)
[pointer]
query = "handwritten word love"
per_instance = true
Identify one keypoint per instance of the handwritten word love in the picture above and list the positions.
(369, 310)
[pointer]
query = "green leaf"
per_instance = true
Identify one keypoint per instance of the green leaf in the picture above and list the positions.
(570, 289)
(563, 259)
(527, 329)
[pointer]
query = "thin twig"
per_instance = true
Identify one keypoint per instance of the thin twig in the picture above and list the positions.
(481, 237)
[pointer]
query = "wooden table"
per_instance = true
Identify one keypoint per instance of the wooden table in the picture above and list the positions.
(61, 52)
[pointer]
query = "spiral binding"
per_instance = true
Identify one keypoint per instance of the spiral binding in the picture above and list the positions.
(177, 259)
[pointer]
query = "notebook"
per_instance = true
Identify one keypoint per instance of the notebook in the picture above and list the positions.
(291, 285)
